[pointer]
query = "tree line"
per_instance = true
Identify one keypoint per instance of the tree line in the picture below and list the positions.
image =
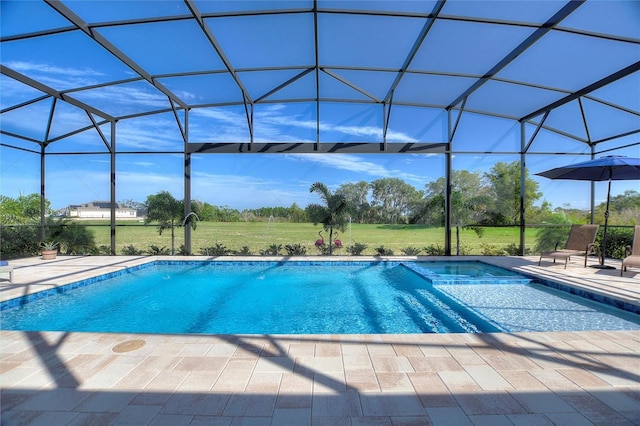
(477, 198)
(491, 198)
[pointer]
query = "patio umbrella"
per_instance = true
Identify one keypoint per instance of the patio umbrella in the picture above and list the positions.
(600, 169)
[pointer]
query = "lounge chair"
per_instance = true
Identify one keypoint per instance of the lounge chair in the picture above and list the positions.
(581, 240)
(633, 252)
(5, 268)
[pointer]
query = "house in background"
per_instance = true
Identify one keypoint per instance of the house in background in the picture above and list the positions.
(99, 210)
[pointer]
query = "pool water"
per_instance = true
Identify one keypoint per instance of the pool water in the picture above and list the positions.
(304, 298)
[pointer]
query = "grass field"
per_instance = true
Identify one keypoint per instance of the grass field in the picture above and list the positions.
(258, 236)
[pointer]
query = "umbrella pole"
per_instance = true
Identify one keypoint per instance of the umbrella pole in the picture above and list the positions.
(604, 235)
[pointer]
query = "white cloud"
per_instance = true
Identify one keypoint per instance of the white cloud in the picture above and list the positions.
(355, 164)
(125, 95)
(56, 76)
(24, 66)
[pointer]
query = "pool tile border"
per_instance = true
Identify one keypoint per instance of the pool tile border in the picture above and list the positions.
(6, 304)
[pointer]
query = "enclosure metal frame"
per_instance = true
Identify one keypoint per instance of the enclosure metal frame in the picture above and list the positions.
(180, 106)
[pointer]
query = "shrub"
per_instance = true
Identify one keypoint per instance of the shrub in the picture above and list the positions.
(434, 250)
(217, 250)
(411, 251)
(158, 251)
(76, 239)
(617, 240)
(102, 250)
(272, 250)
(513, 249)
(131, 251)
(295, 249)
(324, 249)
(464, 249)
(383, 251)
(19, 241)
(491, 250)
(244, 251)
(356, 249)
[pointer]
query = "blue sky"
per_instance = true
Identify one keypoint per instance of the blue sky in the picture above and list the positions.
(455, 51)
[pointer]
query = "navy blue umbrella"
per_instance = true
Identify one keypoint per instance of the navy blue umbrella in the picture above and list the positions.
(600, 169)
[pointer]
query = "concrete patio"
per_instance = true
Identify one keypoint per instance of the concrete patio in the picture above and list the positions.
(568, 378)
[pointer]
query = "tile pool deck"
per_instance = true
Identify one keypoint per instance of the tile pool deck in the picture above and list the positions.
(567, 378)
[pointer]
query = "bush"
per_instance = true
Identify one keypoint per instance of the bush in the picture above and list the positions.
(513, 249)
(272, 250)
(158, 251)
(217, 250)
(19, 241)
(356, 249)
(434, 250)
(491, 250)
(295, 249)
(324, 249)
(617, 240)
(74, 239)
(131, 251)
(383, 251)
(411, 251)
(102, 251)
(244, 251)
(464, 249)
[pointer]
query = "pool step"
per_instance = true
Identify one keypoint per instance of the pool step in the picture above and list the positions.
(437, 279)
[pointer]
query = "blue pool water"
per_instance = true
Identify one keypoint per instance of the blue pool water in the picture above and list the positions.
(302, 297)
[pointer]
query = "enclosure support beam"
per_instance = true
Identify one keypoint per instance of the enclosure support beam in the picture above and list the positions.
(43, 203)
(447, 186)
(52, 92)
(586, 90)
(592, 202)
(112, 155)
(83, 26)
(535, 132)
(540, 32)
(187, 185)
(43, 178)
(313, 148)
(523, 158)
(316, 71)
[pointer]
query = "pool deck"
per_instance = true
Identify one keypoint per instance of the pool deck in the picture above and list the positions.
(567, 378)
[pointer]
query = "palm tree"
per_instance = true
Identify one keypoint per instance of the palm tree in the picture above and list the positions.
(165, 209)
(333, 214)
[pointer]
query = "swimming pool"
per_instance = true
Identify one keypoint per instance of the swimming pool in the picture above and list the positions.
(261, 297)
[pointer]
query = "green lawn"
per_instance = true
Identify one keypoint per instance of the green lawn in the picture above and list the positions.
(259, 236)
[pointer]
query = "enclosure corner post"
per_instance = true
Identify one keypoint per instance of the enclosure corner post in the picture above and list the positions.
(187, 185)
(523, 181)
(113, 188)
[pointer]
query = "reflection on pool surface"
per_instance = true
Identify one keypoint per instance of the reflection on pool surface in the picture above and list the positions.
(264, 297)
